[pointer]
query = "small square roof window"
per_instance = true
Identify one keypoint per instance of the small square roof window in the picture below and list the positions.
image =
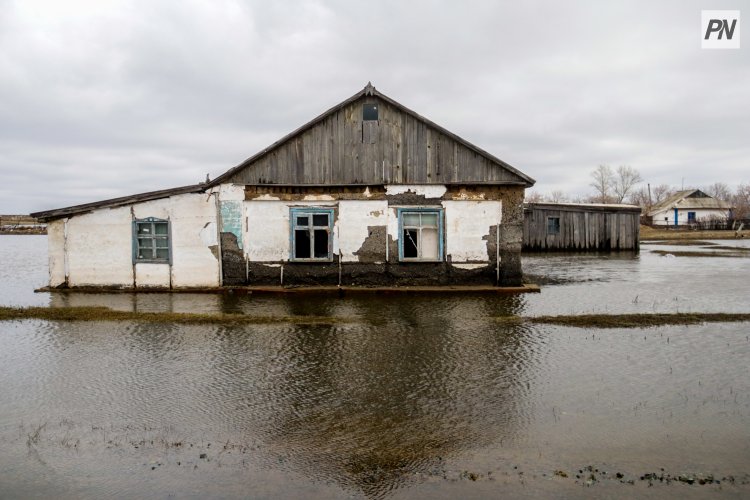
(370, 112)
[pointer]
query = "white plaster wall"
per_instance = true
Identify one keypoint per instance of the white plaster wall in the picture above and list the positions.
(682, 215)
(194, 263)
(267, 234)
(230, 192)
(149, 274)
(354, 219)
(56, 252)
(100, 247)
(467, 227)
(426, 190)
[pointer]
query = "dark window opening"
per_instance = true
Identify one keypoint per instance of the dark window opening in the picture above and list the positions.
(321, 243)
(553, 225)
(370, 112)
(691, 217)
(411, 249)
(311, 234)
(301, 244)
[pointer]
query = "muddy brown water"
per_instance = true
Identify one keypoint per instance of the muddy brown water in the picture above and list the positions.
(414, 396)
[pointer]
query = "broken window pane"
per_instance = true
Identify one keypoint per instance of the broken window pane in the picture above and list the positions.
(410, 243)
(144, 228)
(301, 244)
(320, 220)
(303, 221)
(321, 243)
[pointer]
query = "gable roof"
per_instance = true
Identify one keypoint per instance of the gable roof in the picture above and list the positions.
(367, 91)
(689, 198)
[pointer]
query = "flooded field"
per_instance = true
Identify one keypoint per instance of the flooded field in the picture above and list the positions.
(405, 397)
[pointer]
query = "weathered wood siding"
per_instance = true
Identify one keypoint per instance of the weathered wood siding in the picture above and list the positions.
(581, 227)
(398, 148)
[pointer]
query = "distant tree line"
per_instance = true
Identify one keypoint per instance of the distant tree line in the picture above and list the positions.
(625, 185)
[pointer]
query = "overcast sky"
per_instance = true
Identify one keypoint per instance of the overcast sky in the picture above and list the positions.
(100, 98)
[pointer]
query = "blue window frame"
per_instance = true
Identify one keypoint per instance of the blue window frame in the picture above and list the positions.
(691, 217)
(152, 240)
(311, 235)
(420, 234)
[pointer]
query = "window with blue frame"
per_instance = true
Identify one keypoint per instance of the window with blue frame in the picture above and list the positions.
(311, 234)
(421, 231)
(691, 217)
(151, 240)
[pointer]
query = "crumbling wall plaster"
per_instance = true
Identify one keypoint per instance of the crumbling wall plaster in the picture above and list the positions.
(354, 223)
(434, 191)
(467, 224)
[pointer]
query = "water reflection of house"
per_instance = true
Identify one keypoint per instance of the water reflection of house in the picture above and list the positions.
(688, 207)
(581, 226)
(368, 193)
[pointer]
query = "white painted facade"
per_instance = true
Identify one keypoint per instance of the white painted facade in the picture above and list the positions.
(667, 217)
(96, 248)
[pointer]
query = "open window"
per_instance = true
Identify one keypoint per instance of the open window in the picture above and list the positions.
(151, 240)
(421, 235)
(312, 234)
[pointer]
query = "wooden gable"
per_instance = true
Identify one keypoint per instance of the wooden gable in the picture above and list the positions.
(341, 147)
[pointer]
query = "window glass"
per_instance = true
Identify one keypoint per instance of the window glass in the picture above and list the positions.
(429, 220)
(151, 240)
(369, 112)
(302, 221)
(411, 219)
(321, 243)
(553, 225)
(320, 220)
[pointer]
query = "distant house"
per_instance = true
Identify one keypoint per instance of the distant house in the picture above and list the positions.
(369, 193)
(580, 227)
(688, 207)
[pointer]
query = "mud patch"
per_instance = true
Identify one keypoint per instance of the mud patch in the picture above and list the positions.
(373, 248)
(232, 260)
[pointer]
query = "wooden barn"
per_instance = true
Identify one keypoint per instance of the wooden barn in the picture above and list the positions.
(369, 193)
(580, 227)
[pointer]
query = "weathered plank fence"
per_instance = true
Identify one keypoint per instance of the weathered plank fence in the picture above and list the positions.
(582, 227)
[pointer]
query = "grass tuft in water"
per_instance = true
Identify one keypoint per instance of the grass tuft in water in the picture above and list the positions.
(637, 320)
(106, 314)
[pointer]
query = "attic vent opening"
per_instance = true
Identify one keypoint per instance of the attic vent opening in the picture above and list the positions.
(370, 112)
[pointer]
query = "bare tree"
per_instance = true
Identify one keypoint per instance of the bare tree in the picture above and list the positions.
(557, 196)
(741, 202)
(641, 198)
(602, 180)
(719, 190)
(660, 193)
(625, 181)
(533, 197)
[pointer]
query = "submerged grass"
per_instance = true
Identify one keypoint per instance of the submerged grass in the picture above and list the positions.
(106, 314)
(637, 320)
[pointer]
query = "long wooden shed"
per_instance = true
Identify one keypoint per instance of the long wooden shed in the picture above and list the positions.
(580, 226)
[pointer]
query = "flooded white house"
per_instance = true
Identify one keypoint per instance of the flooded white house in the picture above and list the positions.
(688, 207)
(369, 193)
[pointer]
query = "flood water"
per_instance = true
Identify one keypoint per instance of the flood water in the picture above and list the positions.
(406, 397)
